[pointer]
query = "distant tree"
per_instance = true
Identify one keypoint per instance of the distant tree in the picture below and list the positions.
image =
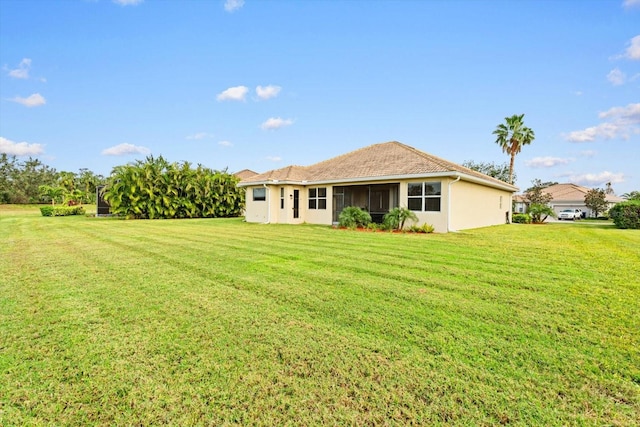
(511, 137)
(540, 212)
(7, 173)
(633, 195)
(536, 194)
(609, 190)
(539, 184)
(500, 172)
(596, 200)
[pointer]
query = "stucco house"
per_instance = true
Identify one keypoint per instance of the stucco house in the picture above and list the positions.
(571, 196)
(377, 178)
(565, 196)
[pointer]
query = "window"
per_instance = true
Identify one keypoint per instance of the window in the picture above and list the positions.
(259, 194)
(318, 198)
(281, 198)
(424, 196)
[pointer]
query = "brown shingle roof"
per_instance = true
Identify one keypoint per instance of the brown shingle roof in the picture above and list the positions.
(378, 160)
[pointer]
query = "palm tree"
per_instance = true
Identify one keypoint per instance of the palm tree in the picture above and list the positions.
(512, 136)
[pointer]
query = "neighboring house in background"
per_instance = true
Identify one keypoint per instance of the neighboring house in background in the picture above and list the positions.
(566, 196)
(245, 173)
(378, 178)
(571, 196)
(520, 205)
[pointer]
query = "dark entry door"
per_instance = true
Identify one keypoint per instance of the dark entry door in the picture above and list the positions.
(296, 203)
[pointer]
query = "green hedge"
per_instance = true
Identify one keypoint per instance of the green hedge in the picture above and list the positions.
(62, 210)
(521, 218)
(626, 214)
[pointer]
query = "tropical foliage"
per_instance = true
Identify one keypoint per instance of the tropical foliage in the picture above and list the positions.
(539, 213)
(633, 195)
(53, 193)
(491, 169)
(626, 214)
(353, 216)
(155, 188)
(596, 200)
(511, 136)
(396, 218)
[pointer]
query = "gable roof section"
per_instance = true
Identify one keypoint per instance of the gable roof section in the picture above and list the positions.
(378, 161)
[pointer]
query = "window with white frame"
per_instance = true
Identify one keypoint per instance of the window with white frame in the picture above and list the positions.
(259, 194)
(318, 198)
(424, 196)
(281, 198)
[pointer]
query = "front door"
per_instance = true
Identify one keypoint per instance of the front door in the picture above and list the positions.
(296, 203)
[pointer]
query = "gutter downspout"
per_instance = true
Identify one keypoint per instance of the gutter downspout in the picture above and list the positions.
(268, 194)
(449, 204)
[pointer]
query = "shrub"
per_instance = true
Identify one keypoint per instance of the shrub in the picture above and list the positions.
(62, 210)
(353, 216)
(46, 210)
(396, 218)
(373, 226)
(424, 228)
(626, 214)
(521, 218)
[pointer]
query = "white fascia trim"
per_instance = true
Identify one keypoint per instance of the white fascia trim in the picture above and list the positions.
(465, 177)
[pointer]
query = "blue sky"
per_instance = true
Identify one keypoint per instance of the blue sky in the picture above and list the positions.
(263, 84)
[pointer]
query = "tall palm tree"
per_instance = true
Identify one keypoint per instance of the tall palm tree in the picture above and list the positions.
(512, 136)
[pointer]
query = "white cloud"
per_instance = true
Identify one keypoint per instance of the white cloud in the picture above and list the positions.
(236, 93)
(595, 179)
(34, 100)
(124, 149)
(233, 5)
(630, 3)
(633, 51)
(267, 92)
(578, 93)
(546, 162)
(20, 148)
(225, 144)
(200, 135)
(276, 123)
(22, 72)
(588, 153)
(274, 158)
(621, 122)
(616, 77)
(128, 2)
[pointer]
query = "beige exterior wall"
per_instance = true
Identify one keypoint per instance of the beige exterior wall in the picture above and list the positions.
(474, 205)
(437, 219)
(256, 211)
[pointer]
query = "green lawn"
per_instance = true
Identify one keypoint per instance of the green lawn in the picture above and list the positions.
(218, 322)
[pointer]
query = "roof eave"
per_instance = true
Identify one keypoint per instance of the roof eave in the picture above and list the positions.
(448, 174)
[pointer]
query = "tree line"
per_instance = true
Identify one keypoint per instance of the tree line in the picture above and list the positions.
(31, 181)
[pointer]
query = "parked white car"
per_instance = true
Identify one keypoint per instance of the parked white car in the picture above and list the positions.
(570, 214)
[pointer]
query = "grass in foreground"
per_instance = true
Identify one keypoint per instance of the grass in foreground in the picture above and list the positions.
(214, 322)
